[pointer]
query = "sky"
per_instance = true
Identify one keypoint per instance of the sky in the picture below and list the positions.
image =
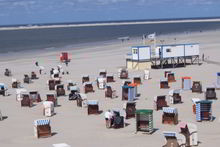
(58, 11)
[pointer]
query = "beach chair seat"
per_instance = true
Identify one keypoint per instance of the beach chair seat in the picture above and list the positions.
(197, 87)
(137, 79)
(60, 91)
(88, 87)
(15, 83)
(175, 96)
(93, 107)
(210, 93)
(171, 77)
(130, 109)
(110, 78)
(7, 72)
(173, 139)
(118, 120)
(160, 102)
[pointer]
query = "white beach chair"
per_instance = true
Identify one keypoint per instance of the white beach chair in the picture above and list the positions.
(146, 74)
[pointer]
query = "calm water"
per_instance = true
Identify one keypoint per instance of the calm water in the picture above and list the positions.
(18, 40)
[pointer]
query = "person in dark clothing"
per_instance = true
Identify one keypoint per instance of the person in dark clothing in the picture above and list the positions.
(36, 63)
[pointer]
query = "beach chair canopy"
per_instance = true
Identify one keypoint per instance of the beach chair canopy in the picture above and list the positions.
(169, 134)
(48, 104)
(87, 83)
(85, 76)
(101, 79)
(92, 102)
(204, 102)
(159, 97)
(144, 111)
(21, 91)
(174, 91)
(41, 122)
(194, 100)
(59, 86)
(163, 80)
(110, 75)
(83, 96)
(13, 80)
(102, 70)
(74, 88)
(136, 76)
(146, 72)
(186, 78)
(170, 110)
(3, 86)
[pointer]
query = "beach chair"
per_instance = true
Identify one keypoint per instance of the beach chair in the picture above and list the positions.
(26, 100)
(64, 57)
(135, 86)
(137, 79)
(194, 100)
(42, 128)
(186, 83)
(197, 87)
(35, 96)
(128, 93)
(166, 73)
(70, 83)
(123, 73)
(93, 107)
(7, 72)
(164, 84)
(144, 120)
(101, 82)
(48, 110)
(60, 90)
(102, 73)
(204, 110)
(3, 89)
(81, 101)
(74, 93)
(27, 79)
(174, 140)
(85, 78)
(130, 108)
(118, 120)
(189, 130)
(217, 84)
(210, 93)
(88, 87)
(174, 96)
(110, 78)
(170, 116)
(53, 98)
(33, 75)
(51, 84)
(171, 77)
(19, 93)
(146, 74)
(15, 83)
(160, 102)
(110, 93)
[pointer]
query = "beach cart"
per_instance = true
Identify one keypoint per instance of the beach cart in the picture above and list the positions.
(137, 79)
(93, 107)
(103, 73)
(48, 108)
(3, 89)
(74, 93)
(85, 78)
(160, 102)
(210, 93)
(15, 83)
(118, 120)
(110, 78)
(35, 96)
(189, 130)
(33, 75)
(128, 93)
(144, 120)
(109, 92)
(146, 74)
(175, 96)
(81, 101)
(204, 110)
(173, 139)
(42, 128)
(88, 87)
(27, 79)
(166, 73)
(194, 100)
(186, 83)
(123, 73)
(197, 87)
(61, 145)
(170, 116)
(130, 108)
(164, 84)
(52, 98)
(101, 82)
(7, 72)
(171, 77)
(60, 89)
(64, 57)
(26, 100)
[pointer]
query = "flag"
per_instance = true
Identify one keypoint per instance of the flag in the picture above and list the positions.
(152, 36)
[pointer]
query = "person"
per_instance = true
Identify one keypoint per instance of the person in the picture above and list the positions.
(108, 118)
(203, 57)
(40, 71)
(36, 63)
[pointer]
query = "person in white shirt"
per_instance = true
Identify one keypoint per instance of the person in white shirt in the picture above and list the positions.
(108, 118)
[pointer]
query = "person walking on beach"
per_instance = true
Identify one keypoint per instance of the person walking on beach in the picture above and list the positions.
(36, 63)
(203, 57)
(108, 119)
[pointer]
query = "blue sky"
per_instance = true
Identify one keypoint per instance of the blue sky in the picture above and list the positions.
(50, 11)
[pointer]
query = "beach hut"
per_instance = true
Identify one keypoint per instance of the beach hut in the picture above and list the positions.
(26, 100)
(48, 108)
(171, 77)
(93, 107)
(42, 128)
(170, 116)
(3, 89)
(130, 108)
(81, 101)
(128, 93)
(60, 90)
(173, 139)
(146, 74)
(52, 98)
(210, 93)
(33, 75)
(74, 93)
(118, 120)
(27, 79)
(197, 87)
(103, 73)
(61, 145)
(85, 78)
(160, 102)
(109, 92)
(186, 83)
(110, 78)
(137, 79)
(166, 73)
(35, 96)
(101, 82)
(175, 96)
(123, 73)
(15, 83)
(64, 57)
(164, 84)
(204, 110)
(189, 130)
(194, 100)
(144, 120)
(88, 87)
(7, 72)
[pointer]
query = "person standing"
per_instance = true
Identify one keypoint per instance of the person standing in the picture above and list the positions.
(108, 118)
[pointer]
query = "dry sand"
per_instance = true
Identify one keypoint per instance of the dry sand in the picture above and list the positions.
(73, 126)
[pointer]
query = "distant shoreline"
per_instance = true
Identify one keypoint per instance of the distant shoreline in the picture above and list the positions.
(107, 24)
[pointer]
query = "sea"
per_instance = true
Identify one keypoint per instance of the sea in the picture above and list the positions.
(21, 38)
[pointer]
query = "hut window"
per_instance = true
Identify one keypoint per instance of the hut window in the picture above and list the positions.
(168, 50)
(134, 51)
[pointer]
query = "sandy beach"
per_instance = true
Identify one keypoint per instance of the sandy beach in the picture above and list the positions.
(72, 125)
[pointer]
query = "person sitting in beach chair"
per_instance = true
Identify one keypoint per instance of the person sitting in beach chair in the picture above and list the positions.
(7, 72)
(27, 79)
(109, 92)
